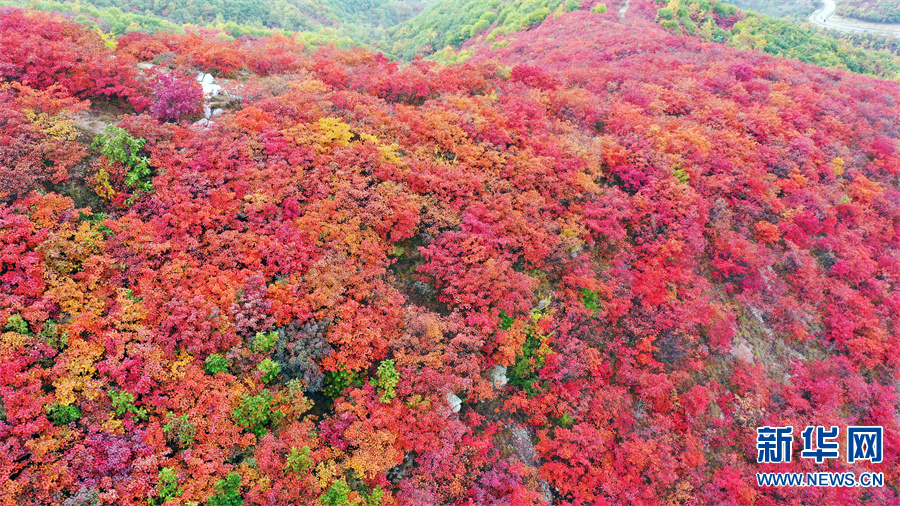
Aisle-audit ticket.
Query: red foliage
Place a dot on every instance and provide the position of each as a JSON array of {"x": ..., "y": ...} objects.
[
  {"x": 176, "y": 97},
  {"x": 37, "y": 144},
  {"x": 41, "y": 50},
  {"x": 666, "y": 244}
]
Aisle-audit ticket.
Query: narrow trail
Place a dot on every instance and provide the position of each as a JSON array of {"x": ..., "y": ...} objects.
[
  {"x": 822, "y": 17},
  {"x": 624, "y": 9}
]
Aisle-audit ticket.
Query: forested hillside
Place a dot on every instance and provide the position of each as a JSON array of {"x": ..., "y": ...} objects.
[
  {"x": 285, "y": 14},
  {"x": 879, "y": 11},
  {"x": 456, "y": 23},
  {"x": 582, "y": 266},
  {"x": 797, "y": 9},
  {"x": 722, "y": 23},
  {"x": 453, "y": 22},
  {"x": 404, "y": 29},
  {"x": 360, "y": 21}
]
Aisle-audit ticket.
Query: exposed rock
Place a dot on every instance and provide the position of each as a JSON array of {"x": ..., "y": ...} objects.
[
  {"x": 90, "y": 124},
  {"x": 204, "y": 123},
  {"x": 454, "y": 402},
  {"x": 498, "y": 376},
  {"x": 210, "y": 89},
  {"x": 523, "y": 445},
  {"x": 398, "y": 473},
  {"x": 215, "y": 99},
  {"x": 205, "y": 79},
  {"x": 742, "y": 352}
]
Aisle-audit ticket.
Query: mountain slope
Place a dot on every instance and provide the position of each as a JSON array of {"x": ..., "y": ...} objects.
[
  {"x": 879, "y": 11},
  {"x": 455, "y": 23},
  {"x": 363, "y": 21},
  {"x": 798, "y": 9},
  {"x": 582, "y": 267},
  {"x": 750, "y": 138},
  {"x": 452, "y": 22}
]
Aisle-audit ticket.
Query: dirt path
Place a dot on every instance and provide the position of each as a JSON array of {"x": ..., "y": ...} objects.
[{"x": 624, "y": 9}]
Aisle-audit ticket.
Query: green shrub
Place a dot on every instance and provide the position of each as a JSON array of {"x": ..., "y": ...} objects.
[
  {"x": 690, "y": 27},
  {"x": 215, "y": 363},
  {"x": 535, "y": 18},
  {"x": 590, "y": 299},
  {"x": 166, "y": 486},
  {"x": 479, "y": 26},
  {"x": 227, "y": 492},
  {"x": 269, "y": 369},
  {"x": 254, "y": 413},
  {"x": 118, "y": 146},
  {"x": 524, "y": 373},
  {"x": 719, "y": 35},
  {"x": 338, "y": 381},
  {"x": 388, "y": 377},
  {"x": 506, "y": 321},
  {"x": 724, "y": 10},
  {"x": 489, "y": 16},
  {"x": 598, "y": 9},
  {"x": 298, "y": 461},
  {"x": 264, "y": 342},
  {"x": 63, "y": 415},
  {"x": 671, "y": 25},
  {"x": 179, "y": 431},
  {"x": 337, "y": 494},
  {"x": 123, "y": 402},
  {"x": 665, "y": 13},
  {"x": 17, "y": 324},
  {"x": 375, "y": 497},
  {"x": 50, "y": 332},
  {"x": 499, "y": 45}
]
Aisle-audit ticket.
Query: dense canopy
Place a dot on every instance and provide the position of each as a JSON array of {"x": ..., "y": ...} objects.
[{"x": 580, "y": 268}]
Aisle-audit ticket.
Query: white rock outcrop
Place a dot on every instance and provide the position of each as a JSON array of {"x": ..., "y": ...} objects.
[
  {"x": 498, "y": 376},
  {"x": 454, "y": 402},
  {"x": 208, "y": 82}
]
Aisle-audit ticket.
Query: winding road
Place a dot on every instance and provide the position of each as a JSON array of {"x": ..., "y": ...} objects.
[{"x": 822, "y": 15}]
